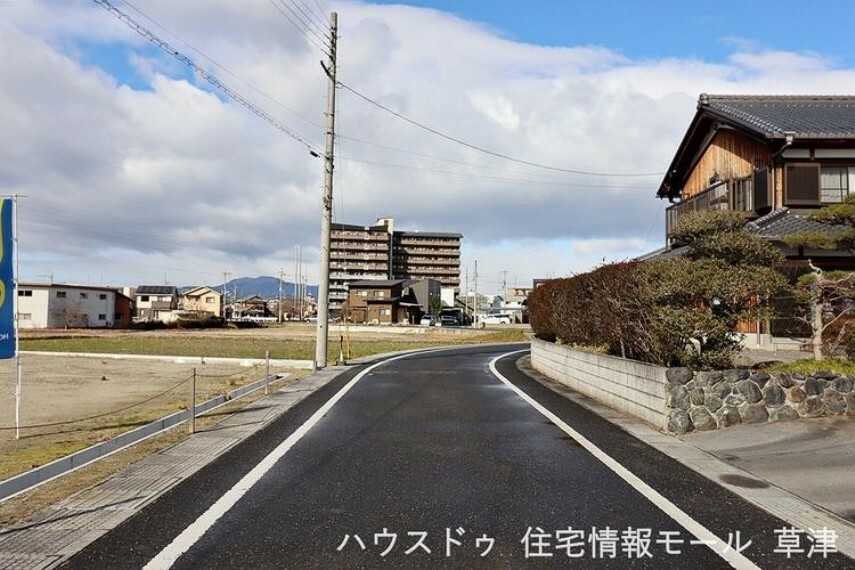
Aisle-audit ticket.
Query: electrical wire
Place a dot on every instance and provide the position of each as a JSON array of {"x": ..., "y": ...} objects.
[
  {"x": 487, "y": 151},
  {"x": 310, "y": 18},
  {"x": 209, "y": 77},
  {"x": 466, "y": 176},
  {"x": 304, "y": 29},
  {"x": 221, "y": 67}
]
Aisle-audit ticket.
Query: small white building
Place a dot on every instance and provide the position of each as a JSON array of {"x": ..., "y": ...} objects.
[{"x": 42, "y": 305}]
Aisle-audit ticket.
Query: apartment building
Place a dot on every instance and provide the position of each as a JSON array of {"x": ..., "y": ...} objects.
[
  {"x": 56, "y": 305},
  {"x": 358, "y": 253},
  {"x": 379, "y": 252},
  {"x": 427, "y": 255}
]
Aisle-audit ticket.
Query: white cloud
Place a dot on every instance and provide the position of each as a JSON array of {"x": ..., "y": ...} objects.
[{"x": 134, "y": 169}]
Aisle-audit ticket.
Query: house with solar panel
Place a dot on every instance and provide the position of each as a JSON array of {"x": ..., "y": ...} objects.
[{"x": 155, "y": 303}]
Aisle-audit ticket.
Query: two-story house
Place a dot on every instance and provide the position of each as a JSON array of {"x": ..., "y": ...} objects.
[
  {"x": 155, "y": 302},
  {"x": 773, "y": 158},
  {"x": 203, "y": 299},
  {"x": 377, "y": 301}
]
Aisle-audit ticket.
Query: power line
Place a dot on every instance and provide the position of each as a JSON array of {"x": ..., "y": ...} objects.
[
  {"x": 466, "y": 176},
  {"x": 209, "y": 77},
  {"x": 304, "y": 29},
  {"x": 222, "y": 67},
  {"x": 310, "y": 18},
  {"x": 487, "y": 151}
]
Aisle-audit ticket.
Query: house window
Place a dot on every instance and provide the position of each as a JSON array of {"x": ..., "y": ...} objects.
[
  {"x": 25, "y": 292},
  {"x": 741, "y": 195},
  {"x": 60, "y": 294},
  {"x": 102, "y": 316},
  {"x": 362, "y": 293},
  {"x": 801, "y": 185},
  {"x": 835, "y": 182},
  {"x": 102, "y": 296},
  {"x": 379, "y": 294},
  {"x": 144, "y": 299},
  {"x": 84, "y": 295},
  {"x": 209, "y": 300},
  {"x": 25, "y": 316},
  {"x": 385, "y": 312}
]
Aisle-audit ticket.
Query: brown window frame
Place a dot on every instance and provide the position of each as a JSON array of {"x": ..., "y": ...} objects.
[{"x": 788, "y": 201}]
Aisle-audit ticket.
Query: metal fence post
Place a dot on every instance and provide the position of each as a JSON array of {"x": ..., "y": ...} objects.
[
  {"x": 267, "y": 376},
  {"x": 191, "y": 409}
]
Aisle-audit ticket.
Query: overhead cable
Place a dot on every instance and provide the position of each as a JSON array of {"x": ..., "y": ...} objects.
[
  {"x": 487, "y": 151},
  {"x": 209, "y": 77}
]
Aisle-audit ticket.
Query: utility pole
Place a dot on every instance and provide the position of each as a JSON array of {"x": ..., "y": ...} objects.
[
  {"x": 279, "y": 301},
  {"x": 226, "y": 274},
  {"x": 466, "y": 294},
  {"x": 326, "y": 219},
  {"x": 475, "y": 280},
  {"x": 504, "y": 273}
]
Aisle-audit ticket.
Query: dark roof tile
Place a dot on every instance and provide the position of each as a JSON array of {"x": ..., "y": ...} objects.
[{"x": 774, "y": 116}]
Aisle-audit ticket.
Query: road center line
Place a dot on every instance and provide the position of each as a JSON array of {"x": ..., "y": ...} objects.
[
  {"x": 191, "y": 535},
  {"x": 735, "y": 559}
]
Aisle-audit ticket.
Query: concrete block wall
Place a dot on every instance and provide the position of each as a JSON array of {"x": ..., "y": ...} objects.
[{"x": 632, "y": 387}]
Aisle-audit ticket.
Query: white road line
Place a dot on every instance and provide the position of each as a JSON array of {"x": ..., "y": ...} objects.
[
  {"x": 191, "y": 535},
  {"x": 735, "y": 559}
]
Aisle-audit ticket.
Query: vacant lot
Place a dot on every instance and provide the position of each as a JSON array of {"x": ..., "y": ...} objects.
[{"x": 70, "y": 402}]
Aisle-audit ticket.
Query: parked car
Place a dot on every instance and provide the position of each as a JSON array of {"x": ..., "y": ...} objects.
[
  {"x": 449, "y": 321},
  {"x": 496, "y": 320},
  {"x": 428, "y": 321}
]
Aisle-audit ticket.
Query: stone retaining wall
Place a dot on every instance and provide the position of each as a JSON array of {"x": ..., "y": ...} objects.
[
  {"x": 679, "y": 400},
  {"x": 710, "y": 400}
]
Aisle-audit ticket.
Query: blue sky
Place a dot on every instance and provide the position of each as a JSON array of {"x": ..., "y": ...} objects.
[
  {"x": 165, "y": 179},
  {"x": 666, "y": 28}
]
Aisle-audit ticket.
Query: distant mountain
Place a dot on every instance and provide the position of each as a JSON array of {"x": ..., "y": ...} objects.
[{"x": 264, "y": 287}]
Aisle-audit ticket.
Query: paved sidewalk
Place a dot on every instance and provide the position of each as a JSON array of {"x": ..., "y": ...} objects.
[
  {"x": 798, "y": 471},
  {"x": 67, "y": 527}
]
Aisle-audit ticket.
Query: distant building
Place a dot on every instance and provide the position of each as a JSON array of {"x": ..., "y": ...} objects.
[
  {"x": 42, "y": 305},
  {"x": 427, "y": 255},
  {"x": 377, "y": 301},
  {"x": 379, "y": 252},
  {"x": 155, "y": 302},
  {"x": 203, "y": 299},
  {"x": 358, "y": 253}
]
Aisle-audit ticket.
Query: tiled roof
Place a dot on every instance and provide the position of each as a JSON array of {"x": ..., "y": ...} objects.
[
  {"x": 774, "y": 116},
  {"x": 779, "y": 224}
]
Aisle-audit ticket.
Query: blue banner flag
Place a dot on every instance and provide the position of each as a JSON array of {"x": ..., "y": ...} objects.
[{"x": 7, "y": 281}]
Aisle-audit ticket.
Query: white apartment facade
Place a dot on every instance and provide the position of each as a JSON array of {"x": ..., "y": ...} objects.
[{"x": 43, "y": 305}]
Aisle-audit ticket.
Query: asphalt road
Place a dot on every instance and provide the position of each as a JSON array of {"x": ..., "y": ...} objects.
[{"x": 432, "y": 461}]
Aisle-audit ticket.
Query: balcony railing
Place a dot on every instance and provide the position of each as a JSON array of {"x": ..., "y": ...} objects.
[{"x": 713, "y": 198}]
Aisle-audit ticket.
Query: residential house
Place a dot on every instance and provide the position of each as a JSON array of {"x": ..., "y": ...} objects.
[
  {"x": 155, "y": 302},
  {"x": 204, "y": 301},
  {"x": 773, "y": 158},
  {"x": 251, "y": 307},
  {"x": 54, "y": 305},
  {"x": 378, "y": 302}
]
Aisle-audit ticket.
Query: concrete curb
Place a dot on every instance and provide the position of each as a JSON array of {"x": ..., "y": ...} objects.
[
  {"x": 777, "y": 501},
  {"x": 31, "y": 479}
]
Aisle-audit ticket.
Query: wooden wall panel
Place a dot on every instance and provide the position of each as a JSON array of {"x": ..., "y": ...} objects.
[{"x": 731, "y": 155}]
